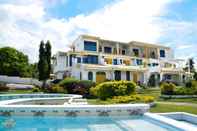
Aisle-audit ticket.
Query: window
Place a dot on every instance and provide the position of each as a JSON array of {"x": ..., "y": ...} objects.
[
  {"x": 136, "y": 52},
  {"x": 121, "y": 61},
  {"x": 70, "y": 61},
  {"x": 117, "y": 75},
  {"x": 100, "y": 48},
  {"x": 90, "y": 46},
  {"x": 78, "y": 60},
  {"x": 123, "y": 52},
  {"x": 107, "y": 49},
  {"x": 115, "y": 62},
  {"x": 128, "y": 76},
  {"x": 80, "y": 75},
  {"x": 90, "y": 59},
  {"x": 90, "y": 76},
  {"x": 155, "y": 64},
  {"x": 138, "y": 61},
  {"x": 153, "y": 55},
  {"x": 162, "y": 53}
]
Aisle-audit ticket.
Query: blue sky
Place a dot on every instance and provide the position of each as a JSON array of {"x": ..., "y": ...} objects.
[
  {"x": 71, "y": 8},
  {"x": 172, "y": 23}
]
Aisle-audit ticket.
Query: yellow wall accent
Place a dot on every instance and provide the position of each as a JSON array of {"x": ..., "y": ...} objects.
[
  {"x": 126, "y": 62},
  {"x": 108, "y": 60},
  {"x": 135, "y": 77},
  {"x": 100, "y": 77}
]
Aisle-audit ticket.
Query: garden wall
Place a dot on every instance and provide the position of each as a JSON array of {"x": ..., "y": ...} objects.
[{"x": 19, "y": 80}]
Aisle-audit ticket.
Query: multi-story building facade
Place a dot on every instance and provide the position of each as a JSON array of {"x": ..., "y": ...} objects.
[{"x": 96, "y": 59}]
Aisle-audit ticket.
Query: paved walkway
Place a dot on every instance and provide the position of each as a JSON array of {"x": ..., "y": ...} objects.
[{"x": 178, "y": 103}]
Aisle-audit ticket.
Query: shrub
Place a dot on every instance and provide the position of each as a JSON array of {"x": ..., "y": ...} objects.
[
  {"x": 113, "y": 88},
  {"x": 132, "y": 98},
  {"x": 148, "y": 99},
  {"x": 167, "y": 88},
  {"x": 183, "y": 91},
  {"x": 35, "y": 89},
  {"x": 123, "y": 99},
  {"x": 74, "y": 86},
  {"x": 3, "y": 87},
  {"x": 58, "y": 89},
  {"x": 188, "y": 84}
]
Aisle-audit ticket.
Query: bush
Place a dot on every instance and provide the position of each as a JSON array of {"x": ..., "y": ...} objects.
[
  {"x": 74, "y": 86},
  {"x": 123, "y": 99},
  {"x": 148, "y": 99},
  {"x": 132, "y": 98},
  {"x": 188, "y": 84},
  {"x": 3, "y": 87},
  {"x": 183, "y": 91},
  {"x": 113, "y": 88},
  {"x": 167, "y": 88},
  {"x": 58, "y": 89},
  {"x": 35, "y": 89}
]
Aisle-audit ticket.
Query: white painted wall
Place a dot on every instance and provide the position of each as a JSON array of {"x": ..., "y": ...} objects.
[
  {"x": 19, "y": 80},
  {"x": 61, "y": 63}
]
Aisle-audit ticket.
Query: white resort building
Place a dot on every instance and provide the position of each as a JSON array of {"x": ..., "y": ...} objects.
[{"x": 96, "y": 59}]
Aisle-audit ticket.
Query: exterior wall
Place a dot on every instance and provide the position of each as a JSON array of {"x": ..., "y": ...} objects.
[
  {"x": 144, "y": 57},
  {"x": 60, "y": 63},
  {"x": 19, "y": 80},
  {"x": 59, "y": 75}
]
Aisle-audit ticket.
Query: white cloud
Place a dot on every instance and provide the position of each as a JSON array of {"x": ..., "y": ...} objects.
[{"x": 23, "y": 25}]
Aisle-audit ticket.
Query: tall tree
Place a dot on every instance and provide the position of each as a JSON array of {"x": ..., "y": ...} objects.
[
  {"x": 44, "y": 63},
  {"x": 14, "y": 63},
  {"x": 41, "y": 62},
  {"x": 190, "y": 65},
  {"x": 48, "y": 57}
]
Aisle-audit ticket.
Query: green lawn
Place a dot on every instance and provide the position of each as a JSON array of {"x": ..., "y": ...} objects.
[
  {"x": 29, "y": 91},
  {"x": 161, "y": 108}
]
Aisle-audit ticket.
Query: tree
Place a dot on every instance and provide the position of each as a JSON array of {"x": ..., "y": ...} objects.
[
  {"x": 14, "y": 63},
  {"x": 195, "y": 76},
  {"x": 34, "y": 70},
  {"x": 48, "y": 57},
  {"x": 44, "y": 63},
  {"x": 41, "y": 62},
  {"x": 190, "y": 65}
]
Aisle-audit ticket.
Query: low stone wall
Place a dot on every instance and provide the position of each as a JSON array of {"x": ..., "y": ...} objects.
[
  {"x": 178, "y": 96},
  {"x": 19, "y": 80},
  {"x": 73, "y": 110},
  {"x": 181, "y": 116},
  {"x": 19, "y": 96},
  {"x": 171, "y": 122}
]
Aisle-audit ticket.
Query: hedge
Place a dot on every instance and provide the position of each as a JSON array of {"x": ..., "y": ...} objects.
[
  {"x": 113, "y": 88},
  {"x": 167, "y": 88},
  {"x": 74, "y": 86},
  {"x": 170, "y": 89}
]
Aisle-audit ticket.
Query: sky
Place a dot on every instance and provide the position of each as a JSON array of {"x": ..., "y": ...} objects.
[{"x": 173, "y": 23}]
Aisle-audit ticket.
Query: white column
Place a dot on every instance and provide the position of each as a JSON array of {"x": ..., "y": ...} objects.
[{"x": 94, "y": 76}]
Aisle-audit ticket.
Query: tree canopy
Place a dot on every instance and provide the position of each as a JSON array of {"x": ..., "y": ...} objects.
[
  {"x": 44, "y": 63},
  {"x": 190, "y": 65},
  {"x": 14, "y": 63}
]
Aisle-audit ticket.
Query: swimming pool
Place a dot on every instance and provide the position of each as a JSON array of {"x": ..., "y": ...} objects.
[{"x": 88, "y": 123}]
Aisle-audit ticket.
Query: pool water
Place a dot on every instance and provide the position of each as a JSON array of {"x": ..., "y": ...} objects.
[{"x": 89, "y": 123}]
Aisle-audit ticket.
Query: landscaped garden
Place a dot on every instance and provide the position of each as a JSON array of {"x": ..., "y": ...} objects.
[{"x": 118, "y": 92}]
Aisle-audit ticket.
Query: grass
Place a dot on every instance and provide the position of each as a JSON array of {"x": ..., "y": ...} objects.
[
  {"x": 162, "y": 108},
  {"x": 98, "y": 102},
  {"x": 155, "y": 92},
  {"x": 29, "y": 91}
]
